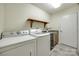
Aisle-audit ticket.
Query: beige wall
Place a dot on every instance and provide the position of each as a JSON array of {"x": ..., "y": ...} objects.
[
  {"x": 56, "y": 18},
  {"x": 17, "y": 14},
  {"x": 1, "y": 17}
]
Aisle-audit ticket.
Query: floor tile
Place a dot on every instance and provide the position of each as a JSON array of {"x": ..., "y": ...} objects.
[{"x": 63, "y": 50}]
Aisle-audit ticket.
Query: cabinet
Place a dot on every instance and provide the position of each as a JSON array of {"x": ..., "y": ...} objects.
[
  {"x": 31, "y": 49},
  {"x": 25, "y": 50},
  {"x": 37, "y": 47},
  {"x": 78, "y": 33},
  {"x": 16, "y": 52},
  {"x": 55, "y": 38},
  {"x": 43, "y": 45}
]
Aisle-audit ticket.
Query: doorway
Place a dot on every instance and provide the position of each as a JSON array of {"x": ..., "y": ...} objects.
[{"x": 68, "y": 29}]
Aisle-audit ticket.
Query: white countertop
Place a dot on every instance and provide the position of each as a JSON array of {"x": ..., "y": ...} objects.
[{"x": 13, "y": 40}]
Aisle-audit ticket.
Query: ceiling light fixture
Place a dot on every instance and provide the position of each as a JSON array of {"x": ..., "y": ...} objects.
[{"x": 56, "y": 5}]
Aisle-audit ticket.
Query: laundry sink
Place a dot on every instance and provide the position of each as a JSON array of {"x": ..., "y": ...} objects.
[{"x": 40, "y": 34}]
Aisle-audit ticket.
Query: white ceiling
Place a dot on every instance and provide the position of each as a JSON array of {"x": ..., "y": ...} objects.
[{"x": 50, "y": 9}]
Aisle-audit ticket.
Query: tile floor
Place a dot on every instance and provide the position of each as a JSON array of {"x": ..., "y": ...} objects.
[{"x": 63, "y": 50}]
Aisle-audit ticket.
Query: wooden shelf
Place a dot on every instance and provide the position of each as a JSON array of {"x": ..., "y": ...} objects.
[{"x": 34, "y": 20}]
